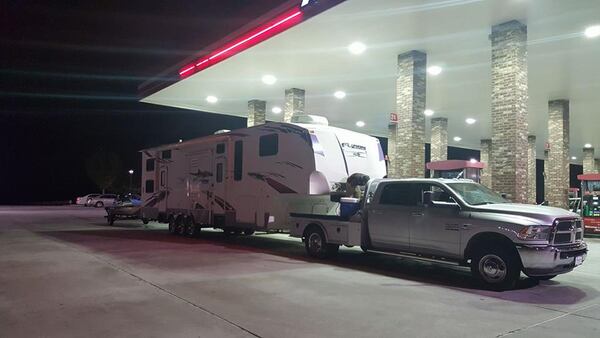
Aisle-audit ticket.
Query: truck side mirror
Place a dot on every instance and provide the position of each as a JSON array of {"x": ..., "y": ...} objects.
[{"x": 427, "y": 197}]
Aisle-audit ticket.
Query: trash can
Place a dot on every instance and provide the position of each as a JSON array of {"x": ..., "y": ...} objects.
[{"x": 349, "y": 206}]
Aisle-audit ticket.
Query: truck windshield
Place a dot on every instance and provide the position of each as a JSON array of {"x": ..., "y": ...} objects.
[{"x": 476, "y": 194}]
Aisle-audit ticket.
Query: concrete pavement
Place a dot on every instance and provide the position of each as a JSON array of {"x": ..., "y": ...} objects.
[{"x": 65, "y": 273}]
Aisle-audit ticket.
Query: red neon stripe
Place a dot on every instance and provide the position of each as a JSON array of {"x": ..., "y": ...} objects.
[{"x": 244, "y": 43}]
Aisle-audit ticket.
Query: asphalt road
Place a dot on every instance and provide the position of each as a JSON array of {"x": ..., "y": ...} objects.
[{"x": 65, "y": 273}]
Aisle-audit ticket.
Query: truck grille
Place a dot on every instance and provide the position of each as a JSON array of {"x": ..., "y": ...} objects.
[{"x": 567, "y": 231}]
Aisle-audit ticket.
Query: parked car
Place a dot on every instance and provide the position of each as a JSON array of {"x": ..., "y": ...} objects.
[
  {"x": 83, "y": 199},
  {"x": 102, "y": 200}
]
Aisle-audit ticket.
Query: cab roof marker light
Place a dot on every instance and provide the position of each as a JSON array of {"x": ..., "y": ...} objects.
[{"x": 245, "y": 43}]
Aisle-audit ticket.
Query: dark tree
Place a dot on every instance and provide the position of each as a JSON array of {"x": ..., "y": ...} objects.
[{"x": 103, "y": 168}]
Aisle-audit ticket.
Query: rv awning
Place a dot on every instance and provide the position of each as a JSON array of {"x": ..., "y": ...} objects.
[{"x": 313, "y": 54}]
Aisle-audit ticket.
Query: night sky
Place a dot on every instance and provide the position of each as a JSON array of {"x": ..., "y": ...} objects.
[{"x": 68, "y": 86}]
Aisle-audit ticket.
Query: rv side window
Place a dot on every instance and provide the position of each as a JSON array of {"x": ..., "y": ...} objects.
[
  {"x": 220, "y": 148},
  {"x": 238, "y": 160},
  {"x": 398, "y": 194},
  {"x": 162, "y": 178},
  {"x": 219, "y": 172},
  {"x": 166, "y": 154},
  {"x": 150, "y": 164},
  {"x": 149, "y": 186},
  {"x": 269, "y": 145}
]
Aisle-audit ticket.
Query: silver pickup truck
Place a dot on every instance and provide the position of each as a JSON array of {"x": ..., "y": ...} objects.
[{"x": 455, "y": 222}]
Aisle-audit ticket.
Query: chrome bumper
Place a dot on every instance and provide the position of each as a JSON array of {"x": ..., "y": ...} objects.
[{"x": 550, "y": 260}]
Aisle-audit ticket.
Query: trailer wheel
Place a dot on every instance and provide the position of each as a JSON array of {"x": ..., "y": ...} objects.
[
  {"x": 316, "y": 244},
  {"x": 190, "y": 227},
  {"x": 172, "y": 227},
  {"x": 145, "y": 221},
  {"x": 249, "y": 232},
  {"x": 180, "y": 226}
]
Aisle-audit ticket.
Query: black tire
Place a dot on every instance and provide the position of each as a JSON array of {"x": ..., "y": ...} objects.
[
  {"x": 190, "y": 227},
  {"x": 99, "y": 204},
  {"x": 539, "y": 278},
  {"x": 248, "y": 232},
  {"x": 110, "y": 220},
  {"x": 145, "y": 221},
  {"x": 172, "y": 226},
  {"x": 497, "y": 268},
  {"x": 180, "y": 226},
  {"x": 316, "y": 245}
]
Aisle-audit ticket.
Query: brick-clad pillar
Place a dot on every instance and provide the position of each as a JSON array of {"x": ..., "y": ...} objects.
[
  {"x": 439, "y": 139},
  {"x": 294, "y": 103},
  {"x": 485, "y": 156},
  {"x": 531, "y": 170},
  {"x": 509, "y": 110},
  {"x": 391, "y": 149},
  {"x": 557, "y": 167},
  {"x": 589, "y": 164},
  {"x": 257, "y": 110},
  {"x": 410, "y": 104},
  {"x": 597, "y": 161}
]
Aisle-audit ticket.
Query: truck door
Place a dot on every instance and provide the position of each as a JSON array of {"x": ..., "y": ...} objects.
[
  {"x": 435, "y": 228},
  {"x": 389, "y": 216}
]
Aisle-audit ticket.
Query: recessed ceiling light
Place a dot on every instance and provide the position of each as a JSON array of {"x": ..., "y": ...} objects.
[
  {"x": 360, "y": 124},
  {"x": 434, "y": 70},
  {"x": 428, "y": 112},
  {"x": 473, "y": 160},
  {"x": 592, "y": 31},
  {"x": 587, "y": 145},
  {"x": 470, "y": 120},
  {"x": 180, "y": 140},
  {"x": 573, "y": 157},
  {"x": 276, "y": 110},
  {"x": 457, "y": 138},
  {"x": 211, "y": 99},
  {"x": 357, "y": 48},
  {"x": 269, "y": 79},
  {"x": 339, "y": 94}
]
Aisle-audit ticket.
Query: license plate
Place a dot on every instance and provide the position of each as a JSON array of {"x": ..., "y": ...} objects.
[{"x": 578, "y": 260}]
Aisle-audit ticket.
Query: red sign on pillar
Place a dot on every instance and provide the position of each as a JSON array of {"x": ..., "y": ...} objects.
[{"x": 393, "y": 118}]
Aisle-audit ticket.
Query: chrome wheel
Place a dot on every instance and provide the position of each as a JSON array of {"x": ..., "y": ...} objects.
[
  {"x": 315, "y": 243},
  {"x": 492, "y": 269}
]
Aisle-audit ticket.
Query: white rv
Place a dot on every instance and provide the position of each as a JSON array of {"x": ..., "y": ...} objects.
[{"x": 253, "y": 178}]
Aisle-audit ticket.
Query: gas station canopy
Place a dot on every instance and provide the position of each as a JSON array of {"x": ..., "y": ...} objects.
[{"x": 319, "y": 47}]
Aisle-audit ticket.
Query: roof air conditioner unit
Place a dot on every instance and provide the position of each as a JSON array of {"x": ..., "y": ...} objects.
[
  {"x": 310, "y": 119},
  {"x": 221, "y": 131}
]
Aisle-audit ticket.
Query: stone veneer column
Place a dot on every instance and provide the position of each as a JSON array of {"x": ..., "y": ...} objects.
[
  {"x": 557, "y": 167},
  {"x": 509, "y": 110},
  {"x": 531, "y": 171},
  {"x": 439, "y": 139},
  {"x": 257, "y": 110},
  {"x": 391, "y": 149},
  {"x": 410, "y": 104},
  {"x": 485, "y": 156},
  {"x": 294, "y": 103},
  {"x": 589, "y": 164},
  {"x": 597, "y": 161}
]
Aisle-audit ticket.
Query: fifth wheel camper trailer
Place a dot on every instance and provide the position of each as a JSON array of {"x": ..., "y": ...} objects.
[{"x": 253, "y": 178}]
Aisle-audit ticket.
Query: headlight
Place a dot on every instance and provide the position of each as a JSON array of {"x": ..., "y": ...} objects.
[{"x": 534, "y": 232}]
